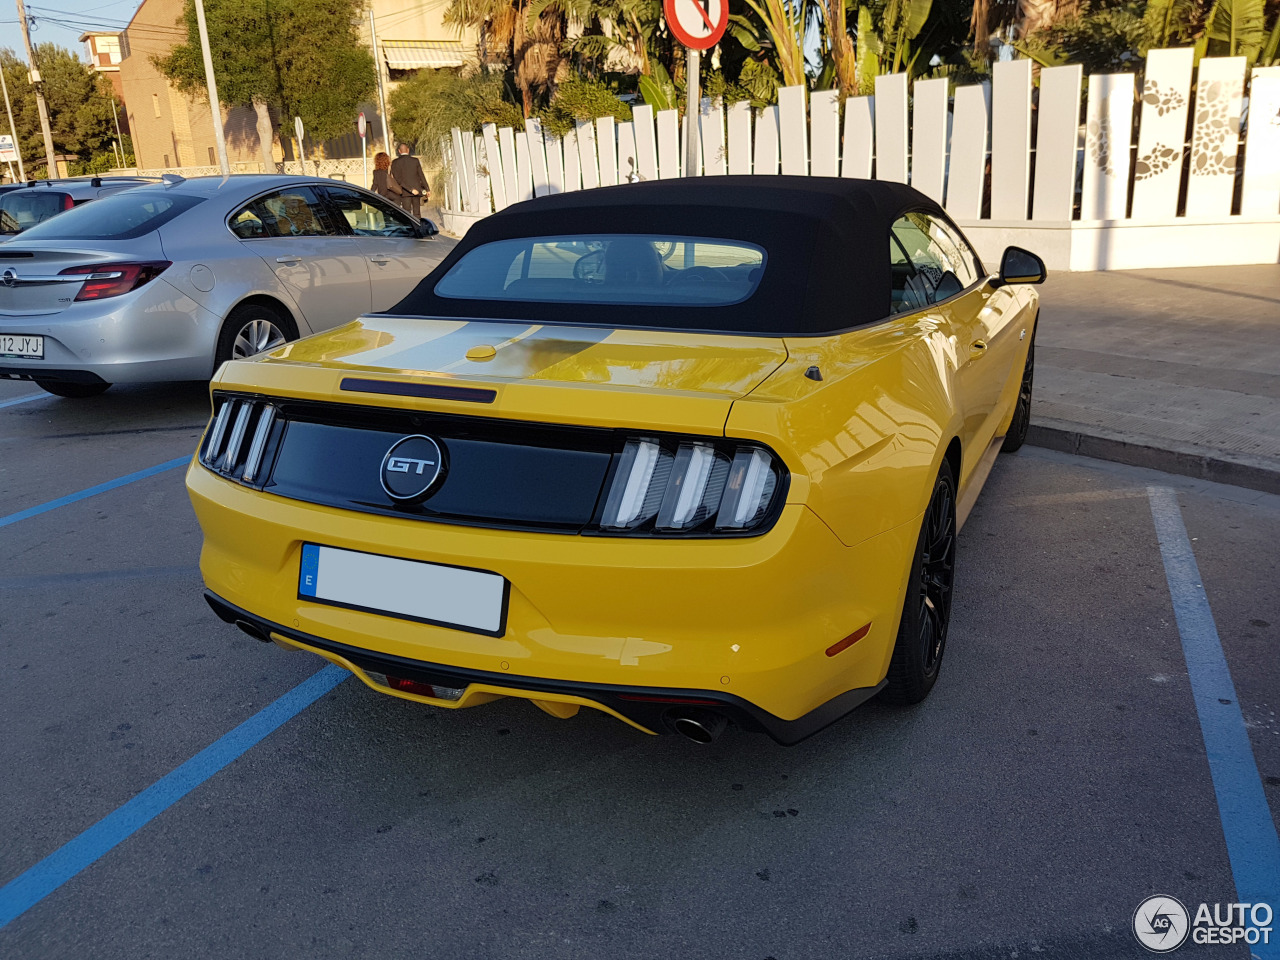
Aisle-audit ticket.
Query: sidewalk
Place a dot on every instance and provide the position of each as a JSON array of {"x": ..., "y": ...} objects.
[{"x": 1178, "y": 370}]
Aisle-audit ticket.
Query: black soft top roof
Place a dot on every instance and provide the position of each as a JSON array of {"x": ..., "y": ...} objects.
[{"x": 826, "y": 242}]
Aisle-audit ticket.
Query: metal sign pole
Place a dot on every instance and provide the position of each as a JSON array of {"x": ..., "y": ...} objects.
[
  {"x": 693, "y": 100},
  {"x": 215, "y": 105}
]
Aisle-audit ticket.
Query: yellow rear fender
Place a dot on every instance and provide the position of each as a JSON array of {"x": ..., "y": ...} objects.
[{"x": 865, "y": 442}]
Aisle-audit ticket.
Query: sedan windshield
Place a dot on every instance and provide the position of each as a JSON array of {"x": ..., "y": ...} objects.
[
  {"x": 640, "y": 269},
  {"x": 122, "y": 216}
]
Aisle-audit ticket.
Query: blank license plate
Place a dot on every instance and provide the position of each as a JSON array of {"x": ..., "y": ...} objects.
[
  {"x": 464, "y": 599},
  {"x": 19, "y": 345}
]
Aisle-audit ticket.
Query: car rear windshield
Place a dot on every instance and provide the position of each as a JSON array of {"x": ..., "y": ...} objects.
[
  {"x": 22, "y": 210},
  {"x": 638, "y": 269},
  {"x": 122, "y": 216}
]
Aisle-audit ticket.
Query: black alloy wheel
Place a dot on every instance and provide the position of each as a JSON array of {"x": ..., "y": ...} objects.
[
  {"x": 71, "y": 390},
  {"x": 926, "y": 614},
  {"x": 1022, "y": 412}
]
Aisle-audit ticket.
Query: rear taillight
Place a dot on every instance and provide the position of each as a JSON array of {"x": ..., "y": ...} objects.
[
  {"x": 102, "y": 280},
  {"x": 668, "y": 487}
]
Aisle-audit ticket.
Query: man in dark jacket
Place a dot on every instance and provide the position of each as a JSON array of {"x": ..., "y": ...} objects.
[{"x": 408, "y": 173}]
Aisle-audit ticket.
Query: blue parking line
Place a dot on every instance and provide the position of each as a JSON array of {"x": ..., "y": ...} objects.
[
  {"x": 1252, "y": 844},
  {"x": 94, "y": 491},
  {"x": 29, "y": 888},
  {"x": 27, "y": 399}
]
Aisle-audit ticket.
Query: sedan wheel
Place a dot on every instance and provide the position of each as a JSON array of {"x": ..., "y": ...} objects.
[
  {"x": 926, "y": 614},
  {"x": 256, "y": 336}
]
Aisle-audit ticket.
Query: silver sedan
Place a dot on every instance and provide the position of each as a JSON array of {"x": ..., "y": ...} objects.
[{"x": 166, "y": 282}]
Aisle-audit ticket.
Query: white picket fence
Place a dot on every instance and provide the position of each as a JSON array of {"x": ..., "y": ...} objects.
[{"x": 1008, "y": 165}]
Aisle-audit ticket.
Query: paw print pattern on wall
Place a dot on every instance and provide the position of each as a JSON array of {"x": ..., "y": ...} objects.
[
  {"x": 1214, "y": 149},
  {"x": 1099, "y": 137},
  {"x": 1163, "y": 100}
]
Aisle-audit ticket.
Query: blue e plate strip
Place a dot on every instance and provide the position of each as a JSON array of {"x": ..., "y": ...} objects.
[
  {"x": 27, "y": 889},
  {"x": 309, "y": 570},
  {"x": 27, "y": 399},
  {"x": 94, "y": 491},
  {"x": 1247, "y": 826}
]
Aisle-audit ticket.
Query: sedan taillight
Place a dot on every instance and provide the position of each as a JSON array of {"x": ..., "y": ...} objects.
[{"x": 104, "y": 280}]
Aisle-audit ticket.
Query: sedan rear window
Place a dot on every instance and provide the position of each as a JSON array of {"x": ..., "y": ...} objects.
[
  {"x": 122, "y": 216},
  {"x": 24, "y": 209},
  {"x": 640, "y": 269}
]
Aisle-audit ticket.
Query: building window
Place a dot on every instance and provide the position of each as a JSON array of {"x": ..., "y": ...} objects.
[
  {"x": 155, "y": 103},
  {"x": 166, "y": 161},
  {"x": 212, "y": 161}
]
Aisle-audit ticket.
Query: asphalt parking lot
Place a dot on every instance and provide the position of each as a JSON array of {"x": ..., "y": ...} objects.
[{"x": 1057, "y": 776}]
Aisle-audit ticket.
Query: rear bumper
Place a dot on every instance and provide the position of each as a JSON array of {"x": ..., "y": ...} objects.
[
  {"x": 749, "y": 619},
  {"x": 648, "y": 708}
]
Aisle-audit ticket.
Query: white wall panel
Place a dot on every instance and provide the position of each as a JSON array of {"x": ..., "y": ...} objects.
[
  {"x": 668, "y": 144},
  {"x": 968, "y": 165},
  {"x": 1104, "y": 190},
  {"x": 824, "y": 133},
  {"x": 607, "y": 150},
  {"x": 628, "y": 167},
  {"x": 572, "y": 162},
  {"x": 587, "y": 165},
  {"x": 524, "y": 166},
  {"x": 766, "y": 154},
  {"x": 1057, "y": 136},
  {"x": 510, "y": 164},
  {"x": 1214, "y": 144},
  {"x": 1261, "y": 196},
  {"x": 1010, "y": 139},
  {"x": 1162, "y": 131},
  {"x": 646, "y": 143},
  {"x": 484, "y": 181},
  {"x": 740, "y": 137},
  {"x": 859, "y": 138},
  {"x": 711, "y": 120},
  {"x": 493, "y": 166},
  {"x": 538, "y": 157},
  {"x": 793, "y": 131},
  {"x": 929, "y": 137},
  {"x": 555, "y": 163},
  {"x": 891, "y": 127}
]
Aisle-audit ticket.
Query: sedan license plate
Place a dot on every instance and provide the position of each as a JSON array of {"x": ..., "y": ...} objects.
[
  {"x": 457, "y": 597},
  {"x": 20, "y": 345}
]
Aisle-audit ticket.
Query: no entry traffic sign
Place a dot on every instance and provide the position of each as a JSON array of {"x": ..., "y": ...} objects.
[{"x": 698, "y": 24}]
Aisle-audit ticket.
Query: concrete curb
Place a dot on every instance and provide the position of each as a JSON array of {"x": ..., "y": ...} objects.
[{"x": 1200, "y": 463}]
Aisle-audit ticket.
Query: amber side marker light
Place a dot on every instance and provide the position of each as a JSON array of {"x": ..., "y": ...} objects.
[{"x": 848, "y": 641}]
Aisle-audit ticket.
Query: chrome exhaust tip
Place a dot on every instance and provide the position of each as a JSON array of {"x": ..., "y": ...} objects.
[
  {"x": 700, "y": 726},
  {"x": 253, "y": 630}
]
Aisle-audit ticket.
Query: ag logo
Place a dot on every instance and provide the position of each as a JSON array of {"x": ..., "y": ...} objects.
[
  {"x": 1161, "y": 924},
  {"x": 411, "y": 468}
]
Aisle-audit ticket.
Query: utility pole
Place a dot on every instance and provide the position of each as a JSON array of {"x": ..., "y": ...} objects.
[
  {"x": 215, "y": 106},
  {"x": 115, "y": 115},
  {"x": 22, "y": 174},
  {"x": 389, "y": 146},
  {"x": 36, "y": 82},
  {"x": 692, "y": 113}
]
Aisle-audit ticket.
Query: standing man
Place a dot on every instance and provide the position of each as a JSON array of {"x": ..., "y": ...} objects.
[{"x": 408, "y": 173}]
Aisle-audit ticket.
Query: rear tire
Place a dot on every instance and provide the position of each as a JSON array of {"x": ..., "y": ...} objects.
[
  {"x": 250, "y": 329},
  {"x": 74, "y": 391},
  {"x": 926, "y": 613},
  {"x": 1017, "y": 434}
]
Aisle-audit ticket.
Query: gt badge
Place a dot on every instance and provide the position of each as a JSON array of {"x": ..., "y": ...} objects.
[{"x": 411, "y": 468}]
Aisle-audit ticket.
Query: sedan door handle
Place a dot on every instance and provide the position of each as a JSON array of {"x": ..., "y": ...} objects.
[
  {"x": 379, "y": 259},
  {"x": 288, "y": 259},
  {"x": 977, "y": 348}
]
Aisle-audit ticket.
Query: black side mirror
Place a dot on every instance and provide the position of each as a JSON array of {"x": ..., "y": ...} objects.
[
  {"x": 1021, "y": 266},
  {"x": 426, "y": 228}
]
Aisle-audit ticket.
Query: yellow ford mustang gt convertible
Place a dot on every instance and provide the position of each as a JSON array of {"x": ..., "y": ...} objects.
[{"x": 691, "y": 453}]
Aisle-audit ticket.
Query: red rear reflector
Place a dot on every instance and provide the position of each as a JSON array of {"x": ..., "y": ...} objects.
[
  {"x": 848, "y": 641},
  {"x": 411, "y": 686},
  {"x": 642, "y": 698},
  {"x": 67, "y": 202},
  {"x": 104, "y": 280}
]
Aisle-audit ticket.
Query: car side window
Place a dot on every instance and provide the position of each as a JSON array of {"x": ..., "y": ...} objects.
[
  {"x": 964, "y": 261},
  {"x": 370, "y": 217},
  {"x": 296, "y": 212},
  {"x": 925, "y": 262}
]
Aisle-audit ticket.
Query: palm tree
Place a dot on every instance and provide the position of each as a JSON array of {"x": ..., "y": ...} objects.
[{"x": 532, "y": 45}]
